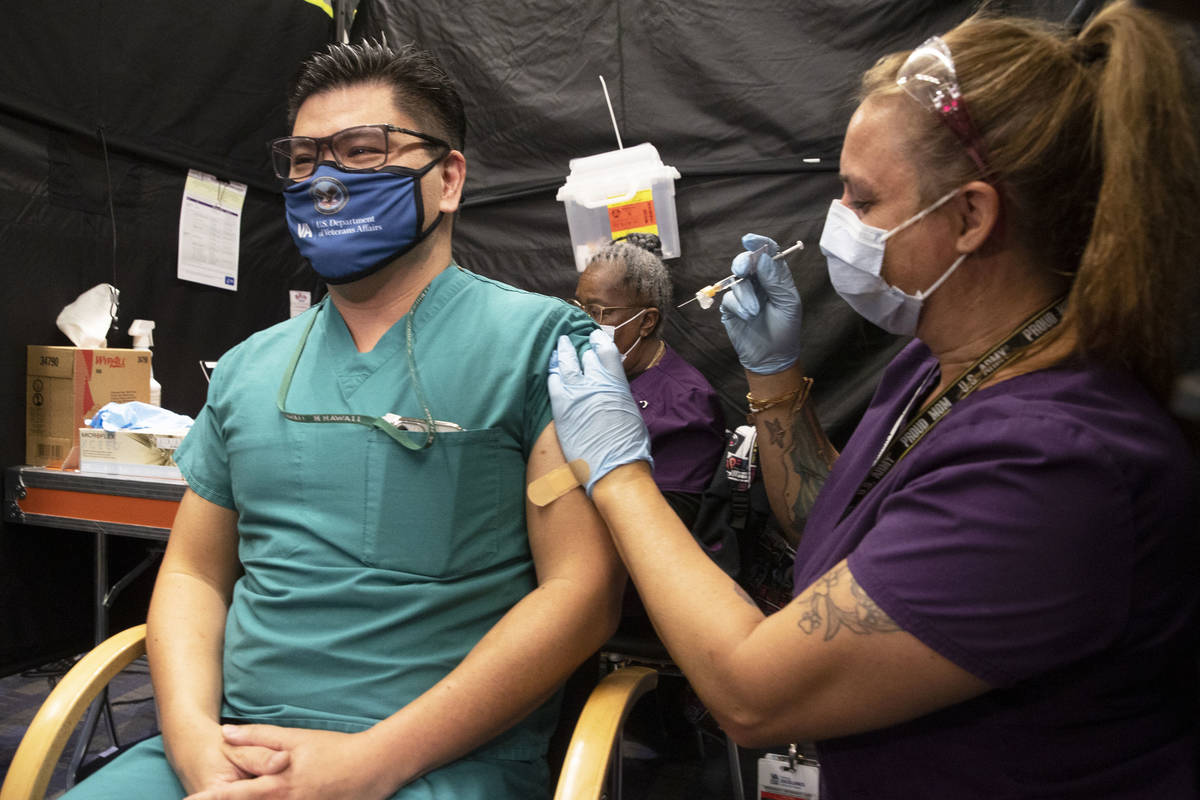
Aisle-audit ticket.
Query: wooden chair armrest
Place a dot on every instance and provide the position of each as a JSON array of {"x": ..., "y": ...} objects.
[
  {"x": 600, "y": 722},
  {"x": 33, "y": 765}
]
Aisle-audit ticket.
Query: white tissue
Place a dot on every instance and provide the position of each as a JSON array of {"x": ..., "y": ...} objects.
[{"x": 86, "y": 320}]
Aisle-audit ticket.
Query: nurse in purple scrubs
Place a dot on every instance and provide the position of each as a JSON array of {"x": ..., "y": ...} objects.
[{"x": 997, "y": 579}]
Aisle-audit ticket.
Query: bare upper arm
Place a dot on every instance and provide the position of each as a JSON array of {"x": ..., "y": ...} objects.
[
  {"x": 832, "y": 663},
  {"x": 203, "y": 543},
  {"x": 568, "y": 537}
]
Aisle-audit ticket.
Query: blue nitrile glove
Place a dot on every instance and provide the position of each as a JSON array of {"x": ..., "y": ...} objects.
[
  {"x": 762, "y": 313},
  {"x": 136, "y": 415},
  {"x": 596, "y": 417}
]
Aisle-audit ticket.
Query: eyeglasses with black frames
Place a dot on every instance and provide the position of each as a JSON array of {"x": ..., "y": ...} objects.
[{"x": 359, "y": 149}]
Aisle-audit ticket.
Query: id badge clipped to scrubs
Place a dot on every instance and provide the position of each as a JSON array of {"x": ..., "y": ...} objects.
[{"x": 790, "y": 777}]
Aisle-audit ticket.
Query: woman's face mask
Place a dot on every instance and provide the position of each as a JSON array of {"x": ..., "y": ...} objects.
[
  {"x": 352, "y": 224},
  {"x": 854, "y": 254},
  {"x": 611, "y": 330}
]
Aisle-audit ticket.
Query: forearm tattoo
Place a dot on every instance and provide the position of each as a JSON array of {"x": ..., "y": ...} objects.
[
  {"x": 774, "y": 432},
  {"x": 819, "y": 610},
  {"x": 806, "y": 463}
]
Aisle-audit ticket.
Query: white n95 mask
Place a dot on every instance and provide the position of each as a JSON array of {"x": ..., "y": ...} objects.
[
  {"x": 611, "y": 331},
  {"x": 854, "y": 254}
]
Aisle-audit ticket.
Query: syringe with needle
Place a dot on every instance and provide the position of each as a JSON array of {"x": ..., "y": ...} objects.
[{"x": 705, "y": 296}]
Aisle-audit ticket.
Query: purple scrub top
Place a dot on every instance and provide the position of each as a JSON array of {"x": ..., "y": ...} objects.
[
  {"x": 1041, "y": 537},
  {"x": 686, "y": 424}
]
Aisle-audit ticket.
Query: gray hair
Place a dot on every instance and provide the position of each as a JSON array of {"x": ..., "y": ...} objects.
[{"x": 645, "y": 274}]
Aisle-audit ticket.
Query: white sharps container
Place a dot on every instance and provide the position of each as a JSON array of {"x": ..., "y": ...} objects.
[{"x": 620, "y": 192}]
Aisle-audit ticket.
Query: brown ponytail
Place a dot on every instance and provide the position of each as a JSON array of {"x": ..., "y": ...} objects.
[{"x": 1134, "y": 271}]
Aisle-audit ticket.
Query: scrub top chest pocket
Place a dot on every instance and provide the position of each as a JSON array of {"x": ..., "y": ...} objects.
[{"x": 434, "y": 512}]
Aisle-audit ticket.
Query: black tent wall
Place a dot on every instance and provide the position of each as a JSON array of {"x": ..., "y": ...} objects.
[
  {"x": 740, "y": 98},
  {"x": 104, "y": 106}
]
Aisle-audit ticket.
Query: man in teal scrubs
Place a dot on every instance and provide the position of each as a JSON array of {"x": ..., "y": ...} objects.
[{"x": 356, "y": 600}]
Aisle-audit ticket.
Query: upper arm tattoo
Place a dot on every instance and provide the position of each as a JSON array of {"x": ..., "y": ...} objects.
[{"x": 819, "y": 609}]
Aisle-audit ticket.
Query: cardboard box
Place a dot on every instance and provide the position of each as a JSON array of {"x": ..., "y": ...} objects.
[
  {"x": 146, "y": 454},
  {"x": 66, "y": 385}
]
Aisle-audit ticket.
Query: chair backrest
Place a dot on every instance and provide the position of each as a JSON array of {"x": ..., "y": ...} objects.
[
  {"x": 598, "y": 729},
  {"x": 33, "y": 764}
]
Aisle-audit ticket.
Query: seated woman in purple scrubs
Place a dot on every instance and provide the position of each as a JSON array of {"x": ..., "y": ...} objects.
[
  {"x": 627, "y": 290},
  {"x": 997, "y": 583}
]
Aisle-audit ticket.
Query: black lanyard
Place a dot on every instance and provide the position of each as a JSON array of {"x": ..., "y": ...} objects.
[
  {"x": 391, "y": 424},
  {"x": 896, "y": 447}
]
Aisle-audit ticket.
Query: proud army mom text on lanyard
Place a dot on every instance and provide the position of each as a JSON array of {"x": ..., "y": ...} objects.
[{"x": 896, "y": 448}]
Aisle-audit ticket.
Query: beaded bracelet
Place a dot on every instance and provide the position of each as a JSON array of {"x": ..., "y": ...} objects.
[{"x": 801, "y": 396}]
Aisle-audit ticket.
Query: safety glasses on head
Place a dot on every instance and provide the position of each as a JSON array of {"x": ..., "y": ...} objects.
[
  {"x": 928, "y": 76},
  {"x": 358, "y": 149}
]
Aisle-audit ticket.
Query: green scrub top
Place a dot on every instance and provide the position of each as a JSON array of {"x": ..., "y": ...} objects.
[{"x": 370, "y": 570}]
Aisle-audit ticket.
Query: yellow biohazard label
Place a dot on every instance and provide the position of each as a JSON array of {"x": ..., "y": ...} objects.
[
  {"x": 635, "y": 215},
  {"x": 324, "y": 5}
]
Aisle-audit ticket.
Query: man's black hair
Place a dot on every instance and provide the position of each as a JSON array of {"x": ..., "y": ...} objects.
[{"x": 420, "y": 87}]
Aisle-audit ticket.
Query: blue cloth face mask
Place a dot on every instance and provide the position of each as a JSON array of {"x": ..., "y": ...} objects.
[
  {"x": 854, "y": 254},
  {"x": 352, "y": 224}
]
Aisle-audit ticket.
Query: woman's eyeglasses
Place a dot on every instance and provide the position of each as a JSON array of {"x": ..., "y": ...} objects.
[{"x": 596, "y": 312}]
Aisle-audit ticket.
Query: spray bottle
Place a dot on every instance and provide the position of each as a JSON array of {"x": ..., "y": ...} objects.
[{"x": 142, "y": 331}]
